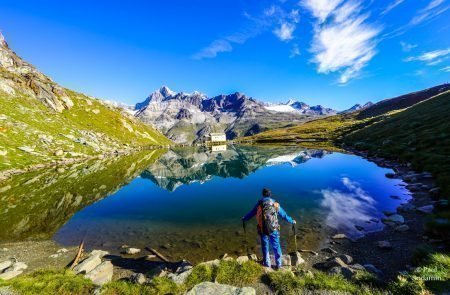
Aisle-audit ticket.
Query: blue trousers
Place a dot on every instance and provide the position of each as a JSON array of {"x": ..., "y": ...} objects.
[{"x": 274, "y": 240}]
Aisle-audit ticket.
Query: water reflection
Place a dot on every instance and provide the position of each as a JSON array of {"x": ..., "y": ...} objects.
[{"x": 349, "y": 208}]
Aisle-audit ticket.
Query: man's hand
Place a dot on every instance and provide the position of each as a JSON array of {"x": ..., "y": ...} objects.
[{"x": 294, "y": 222}]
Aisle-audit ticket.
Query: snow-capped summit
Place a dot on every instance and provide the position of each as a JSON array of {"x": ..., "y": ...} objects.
[
  {"x": 358, "y": 107},
  {"x": 294, "y": 106}
]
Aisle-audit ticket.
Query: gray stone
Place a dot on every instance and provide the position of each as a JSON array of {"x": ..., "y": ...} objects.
[
  {"x": 157, "y": 272},
  {"x": 242, "y": 259},
  {"x": 88, "y": 264},
  {"x": 334, "y": 261},
  {"x": 253, "y": 257},
  {"x": 408, "y": 207},
  {"x": 179, "y": 277},
  {"x": 17, "y": 266},
  {"x": 357, "y": 266},
  {"x": 207, "y": 288},
  {"x": 428, "y": 209},
  {"x": 132, "y": 251},
  {"x": 101, "y": 274},
  {"x": 347, "y": 259},
  {"x": 384, "y": 245},
  {"x": 99, "y": 253},
  {"x": 402, "y": 228},
  {"x": 296, "y": 259},
  {"x": 214, "y": 262},
  {"x": 339, "y": 236},
  {"x": 5, "y": 264},
  {"x": 10, "y": 274},
  {"x": 138, "y": 278}
]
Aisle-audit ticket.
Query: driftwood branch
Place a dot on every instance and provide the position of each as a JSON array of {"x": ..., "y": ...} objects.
[
  {"x": 78, "y": 256},
  {"x": 159, "y": 255}
]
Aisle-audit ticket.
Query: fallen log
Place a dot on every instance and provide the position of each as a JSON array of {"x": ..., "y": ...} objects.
[
  {"x": 78, "y": 256},
  {"x": 159, "y": 255}
]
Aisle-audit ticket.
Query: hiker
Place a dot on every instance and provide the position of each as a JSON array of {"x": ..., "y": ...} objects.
[{"x": 267, "y": 212}]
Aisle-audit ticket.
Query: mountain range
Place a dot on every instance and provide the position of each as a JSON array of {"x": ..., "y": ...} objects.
[{"x": 188, "y": 118}]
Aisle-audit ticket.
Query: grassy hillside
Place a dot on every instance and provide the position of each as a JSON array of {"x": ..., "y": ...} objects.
[
  {"x": 419, "y": 134},
  {"x": 31, "y": 133}
]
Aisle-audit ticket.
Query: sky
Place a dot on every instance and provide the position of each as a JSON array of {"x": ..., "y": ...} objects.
[{"x": 330, "y": 52}]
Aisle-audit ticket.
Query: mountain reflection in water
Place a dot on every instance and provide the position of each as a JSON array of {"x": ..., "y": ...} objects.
[{"x": 188, "y": 201}]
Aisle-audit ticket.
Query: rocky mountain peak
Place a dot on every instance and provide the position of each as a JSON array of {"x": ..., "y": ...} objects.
[
  {"x": 17, "y": 75},
  {"x": 165, "y": 91}
]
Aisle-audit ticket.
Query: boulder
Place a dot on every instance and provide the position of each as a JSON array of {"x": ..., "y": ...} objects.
[
  {"x": 5, "y": 264},
  {"x": 138, "y": 278},
  {"x": 242, "y": 259},
  {"x": 408, "y": 207},
  {"x": 101, "y": 274},
  {"x": 88, "y": 264},
  {"x": 428, "y": 209},
  {"x": 347, "y": 259},
  {"x": 99, "y": 253},
  {"x": 10, "y": 274},
  {"x": 286, "y": 260},
  {"x": 207, "y": 288},
  {"x": 334, "y": 261},
  {"x": 296, "y": 259},
  {"x": 402, "y": 228},
  {"x": 214, "y": 262},
  {"x": 357, "y": 266},
  {"x": 384, "y": 245},
  {"x": 17, "y": 266}
]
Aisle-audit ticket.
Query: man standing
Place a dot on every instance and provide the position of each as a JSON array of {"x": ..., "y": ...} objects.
[{"x": 267, "y": 212}]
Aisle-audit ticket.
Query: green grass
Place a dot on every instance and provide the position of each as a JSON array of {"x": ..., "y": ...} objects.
[
  {"x": 49, "y": 282},
  {"x": 30, "y": 123},
  {"x": 230, "y": 272}
]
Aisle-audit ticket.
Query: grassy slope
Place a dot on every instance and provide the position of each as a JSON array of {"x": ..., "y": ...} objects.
[
  {"x": 419, "y": 134},
  {"x": 101, "y": 128}
]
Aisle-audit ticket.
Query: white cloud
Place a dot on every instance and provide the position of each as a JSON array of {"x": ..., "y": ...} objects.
[
  {"x": 391, "y": 6},
  {"x": 433, "y": 9},
  {"x": 347, "y": 208},
  {"x": 285, "y": 31},
  {"x": 321, "y": 9},
  {"x": 295, "y": 51},
  {"x": 345, "y": 43},
  {"x": 213, "y": 49},
  {"x": 431, "y": 58},
  {"x": 407, "y": 47},
  {"x": 446, "y": 69}
]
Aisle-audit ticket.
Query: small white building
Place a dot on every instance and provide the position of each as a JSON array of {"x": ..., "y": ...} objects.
[
  {"x": 217, "y": 137},
  {"x": 219, "y": 148}
]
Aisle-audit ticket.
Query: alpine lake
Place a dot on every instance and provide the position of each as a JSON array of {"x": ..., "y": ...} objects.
[{"x": 188, "y": 202}]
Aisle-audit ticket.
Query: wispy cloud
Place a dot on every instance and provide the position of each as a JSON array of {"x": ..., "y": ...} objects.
[
  {"x": 431, "y": 58},
  {"x": 433, "y": 9},
  {"x": 281, "y": 21},
  {"x": 391, "y": 6},
  {"x": 446, "y": 69},
  {"x": 321, "y": 9},
  {"x": 285, "y": 31},
  {"x": 295, "y": 51},
  {"x": 407, "y": 47},
  {"x": 347, "y": 208},
  {"x": 343, "y": 41}
]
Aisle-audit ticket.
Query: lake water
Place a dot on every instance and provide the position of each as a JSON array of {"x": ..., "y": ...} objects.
[{"x": 187, "y": 202}]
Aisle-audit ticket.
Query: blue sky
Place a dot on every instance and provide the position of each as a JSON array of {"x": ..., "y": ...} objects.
[{"x": 331, "y": 52}]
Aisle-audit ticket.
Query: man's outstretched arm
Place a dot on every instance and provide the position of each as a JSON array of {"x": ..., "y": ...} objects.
[
  {"x": 284, "y": 215},
  {"x": 251, "y": 213}
]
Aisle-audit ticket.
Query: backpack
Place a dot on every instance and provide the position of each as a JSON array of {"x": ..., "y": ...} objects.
[{"x": 267, "y": 216}]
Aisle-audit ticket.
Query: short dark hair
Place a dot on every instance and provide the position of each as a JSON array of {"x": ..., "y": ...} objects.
[{"x": 266, "y": 192}]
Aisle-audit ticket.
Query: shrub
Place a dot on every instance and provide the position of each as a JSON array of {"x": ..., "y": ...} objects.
[{"x": 233, "y": 273}]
